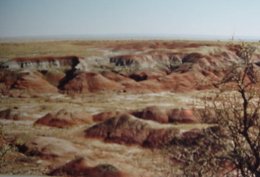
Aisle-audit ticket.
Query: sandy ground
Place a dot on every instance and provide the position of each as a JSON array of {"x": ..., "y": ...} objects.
[{"x": 136, "y": 160}]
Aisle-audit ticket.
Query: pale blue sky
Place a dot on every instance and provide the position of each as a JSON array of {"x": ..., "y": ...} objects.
[{"x": 118, "y": 17}]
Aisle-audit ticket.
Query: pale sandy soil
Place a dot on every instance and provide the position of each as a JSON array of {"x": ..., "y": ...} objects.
[{"x": 138, "y": 161}]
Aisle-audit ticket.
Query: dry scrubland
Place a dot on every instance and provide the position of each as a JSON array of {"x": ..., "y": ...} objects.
[
  {"x": 55, "y": 48},
  {"x": 107, "y": 108}
]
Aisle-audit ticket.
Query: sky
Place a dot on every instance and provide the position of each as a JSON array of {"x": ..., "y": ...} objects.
[{"x": 129, "y": 17}]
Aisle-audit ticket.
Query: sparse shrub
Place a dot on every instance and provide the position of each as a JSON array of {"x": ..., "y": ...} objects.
[
  {"x": 5, "y": 148},
  {"x": 107, "y": 168},
  {"x": 231, "y": 146}
]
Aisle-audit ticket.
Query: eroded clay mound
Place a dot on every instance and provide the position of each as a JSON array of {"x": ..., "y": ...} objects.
[
  {"x": 105, "y": 115},
  {"x": 33, "y": 81},
  {"x": 14, "y": 114},
  {"x": 182, "y": 116},
  {"x": 80, "y": 168},
  {"x": 49, "y": 148},
  {"x": 157, "y": 114},
  {"x": 146, "y": 75},
  {"x": 154, "y": 113},
  {"x": 146, "y": 67},
  {"x": 128, "y": 129},
  {"x": 115, "y": 76},
  {"x": 91, "y": 82},
  {"x": 54, "y": 77},
  {"x": 64, "y": 119}
]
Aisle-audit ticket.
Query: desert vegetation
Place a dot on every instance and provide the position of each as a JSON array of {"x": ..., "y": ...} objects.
[{"x": 231, "y": 146}]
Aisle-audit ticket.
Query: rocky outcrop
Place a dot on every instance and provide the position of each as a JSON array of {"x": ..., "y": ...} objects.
[
  {"x": 80, "y": 168},
  {"x": 64, "y": 119},
  {"x": 124, "y": 60},
  {"x": 155, "y": 60},
  {"x": 131, "y": 130},
  {"x": 42, "y": 63}
]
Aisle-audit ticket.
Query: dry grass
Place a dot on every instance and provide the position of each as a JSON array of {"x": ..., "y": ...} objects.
[
  {"x": 90, "y": 48},
  {"x": 56, "y": 48}
]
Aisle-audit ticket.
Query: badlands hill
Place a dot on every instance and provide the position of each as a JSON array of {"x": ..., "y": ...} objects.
[
  {"x": 107, "y": 108},
  {"x": 152, "y": 66}
]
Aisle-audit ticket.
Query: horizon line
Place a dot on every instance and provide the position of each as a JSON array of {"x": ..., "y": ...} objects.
[{"x": 130, "y": 37}]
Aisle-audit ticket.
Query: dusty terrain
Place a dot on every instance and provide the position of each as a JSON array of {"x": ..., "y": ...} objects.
[{"x": 104, "y": 108}]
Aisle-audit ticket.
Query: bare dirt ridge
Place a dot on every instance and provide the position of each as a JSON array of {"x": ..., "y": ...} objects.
[{"x": 159, "y": 66}]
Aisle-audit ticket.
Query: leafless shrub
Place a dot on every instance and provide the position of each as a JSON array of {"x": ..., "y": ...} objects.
[{"x": 231, "y": 146}]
